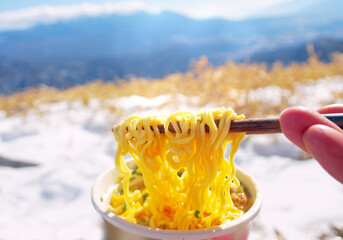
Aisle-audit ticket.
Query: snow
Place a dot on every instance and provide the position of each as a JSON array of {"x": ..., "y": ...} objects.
[{"x": 72, "y": 144}]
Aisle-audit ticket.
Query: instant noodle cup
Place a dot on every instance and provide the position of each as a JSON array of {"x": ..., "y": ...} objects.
[{"x": 118, "y": 228}]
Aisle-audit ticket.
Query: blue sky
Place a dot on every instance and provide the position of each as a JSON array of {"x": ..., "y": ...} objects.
[
  {"x": 212, "y": 5},
  {"x": 16, "y": 14}
]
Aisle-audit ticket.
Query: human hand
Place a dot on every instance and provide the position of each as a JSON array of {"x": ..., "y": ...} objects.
[{"x": 317, "y": 135}]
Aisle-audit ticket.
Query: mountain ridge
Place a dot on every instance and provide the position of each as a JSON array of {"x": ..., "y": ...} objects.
[{"x": 114, "y": 46}]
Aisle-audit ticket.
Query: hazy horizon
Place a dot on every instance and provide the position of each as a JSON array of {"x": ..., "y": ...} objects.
[{"x": 21, "y": 15}]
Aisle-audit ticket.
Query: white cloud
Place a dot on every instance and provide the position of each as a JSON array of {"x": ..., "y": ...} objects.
[
  {"x": 229, "y": 9},
  {"x": 46, "y": 14}
]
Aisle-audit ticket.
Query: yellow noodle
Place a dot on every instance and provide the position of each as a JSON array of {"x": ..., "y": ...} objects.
[{"x": 200, "y": 197}]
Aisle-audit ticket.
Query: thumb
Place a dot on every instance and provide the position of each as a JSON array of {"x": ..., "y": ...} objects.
[{"x": 325, "y": 144}]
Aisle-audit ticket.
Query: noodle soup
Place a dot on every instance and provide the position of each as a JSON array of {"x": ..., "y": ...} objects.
[
  {"x": 120, "y": 229},
  {"x": 240, "y": 198},
  {"x": 180, "y": 180}
]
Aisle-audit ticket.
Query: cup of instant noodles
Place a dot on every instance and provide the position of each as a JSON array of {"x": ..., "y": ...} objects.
[{"x": 118, "y": 228}]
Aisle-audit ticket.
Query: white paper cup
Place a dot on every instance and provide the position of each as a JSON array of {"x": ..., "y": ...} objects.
[{"x": 118, "y": 228}]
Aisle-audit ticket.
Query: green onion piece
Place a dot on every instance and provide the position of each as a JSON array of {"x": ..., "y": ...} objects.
[
  {"x": 145, "y": 195},
  {"x": 134, "y": 171},
  {"x": 124, "y": 208},
  {"x": 196, "y": 213},
  {"x": 120, "y": 189},
  {"x": 142, "y": 222}
]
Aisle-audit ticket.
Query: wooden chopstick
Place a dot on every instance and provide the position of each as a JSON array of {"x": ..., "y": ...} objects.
[{"x": 262, "y": 125}]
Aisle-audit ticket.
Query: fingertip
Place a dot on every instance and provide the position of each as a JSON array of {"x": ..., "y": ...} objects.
[
  {"x": 293, "y": 124},
  {"x": 292, "y": 110},
  {"x": 290, "y": 116},
  {"x": 295, "y": 121}
]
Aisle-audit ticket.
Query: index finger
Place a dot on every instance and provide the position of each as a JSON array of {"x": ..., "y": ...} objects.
[
  {"x": 334, "y": 108},
  {"x": 295, "y": 121}
]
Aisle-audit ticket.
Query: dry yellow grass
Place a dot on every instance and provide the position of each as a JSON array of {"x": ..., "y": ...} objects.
[{"x": 221, "y": 85}]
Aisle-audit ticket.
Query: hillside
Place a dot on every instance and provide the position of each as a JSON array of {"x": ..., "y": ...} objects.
[
  {"x": 323, "y": 47},
  {"x": 70, "y": 53}
]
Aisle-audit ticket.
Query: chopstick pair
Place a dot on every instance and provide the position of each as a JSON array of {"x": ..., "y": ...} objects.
[{"x": 263, "y": 125}]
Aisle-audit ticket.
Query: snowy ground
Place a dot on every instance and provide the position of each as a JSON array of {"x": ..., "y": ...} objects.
[{"x": 72, "y": 144}]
